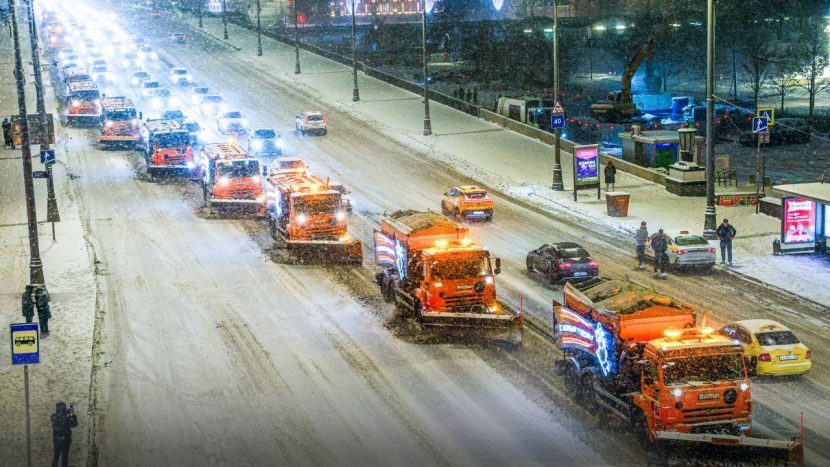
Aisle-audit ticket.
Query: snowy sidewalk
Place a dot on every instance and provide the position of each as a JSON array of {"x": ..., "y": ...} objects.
[
  {"x": 522, "y": 167},
  {"x": 65, "y": 356}
]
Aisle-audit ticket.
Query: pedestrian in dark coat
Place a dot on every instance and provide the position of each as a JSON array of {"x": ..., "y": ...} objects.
[
  {"x": 610, "y": 176},
  {"x": 63, "y": 420},
  {"x": 28, "y": 304},
  {"x": 7, "y": 133},
  {"x": 726, "y": 233},
  {"x": 641, "y": 237},
  {"x": 43, "y": 312},
  {"x": 660, "y": 243}
]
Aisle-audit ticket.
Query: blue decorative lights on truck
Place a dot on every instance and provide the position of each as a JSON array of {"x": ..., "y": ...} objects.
[{"x": 574, "y": 331}]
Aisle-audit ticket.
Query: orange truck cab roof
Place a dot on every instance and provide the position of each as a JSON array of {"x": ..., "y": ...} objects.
[
  {"x": 164, "y": 126},
  {"x": 82, "y": 86},
  {"x": 225, "y": 151},
  {"x": 116, "y": 104},
  {"x": 421, "y": 230},
  {"x": 691, "y": 342}
]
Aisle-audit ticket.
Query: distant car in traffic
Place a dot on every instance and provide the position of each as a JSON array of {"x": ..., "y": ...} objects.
[
  {"x": 770, "y": 348},
  {"x": 147, "y": 53},
  {"x": 687, "y": 250},
  {"x": 467, "y": 202},
  {"x": 137, "y": 78},
  {"x": 196, "y": 94},
  {"x": 179, "y": 38},
  {"x": 211, "y": 105},
  {"x": 148, "y": 87},
  {"x": 154, "y": 13},
  {"x": 101, "y": 74},
  {"x": 128, "y": 60},
  {"x": 173, "y": 115},
  {"x": 311, "y": 122},
  {"x": 232, "y": 123},
  {"x": 179, "y": 77},
  {"x": 562, "y": 262},
  {"x": 162, "y": 98},
  {"x": 264, "y": 142},
  {"x": 195, "y": 131}
]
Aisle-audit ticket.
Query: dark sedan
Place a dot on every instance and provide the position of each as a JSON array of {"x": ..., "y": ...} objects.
[{"x": 562, "y": 262}]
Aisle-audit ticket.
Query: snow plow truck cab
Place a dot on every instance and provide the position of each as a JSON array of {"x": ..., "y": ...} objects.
[
  {"x": 167, "y": 147},
  {"x": 230, "y": 179}
]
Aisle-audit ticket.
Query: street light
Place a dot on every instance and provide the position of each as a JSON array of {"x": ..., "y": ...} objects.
[
  {"x": 427, "y": 123},
  {"x": 200, "y": 13},
  {"x": 296, "y": 41},
  {"x": 225, "y": 18},
  {"x": 355, "y": 91},
  {"x": 709, "y": 221},
  {"x": 557, "y": 185},
  {"x": 258, "y": 30},
  {"x": 687, "y": 142}
]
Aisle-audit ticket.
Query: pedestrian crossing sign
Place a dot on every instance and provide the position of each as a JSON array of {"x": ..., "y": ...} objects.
[
  {"x": 25, "y": 343},
  {"x": 768, "y": 113}
]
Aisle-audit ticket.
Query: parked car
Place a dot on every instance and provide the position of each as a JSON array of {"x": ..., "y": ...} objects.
[
  {"x": 687, "y": 250},
  {"x": 770, "y": 348},
  {"x": 562, "y": 262}
]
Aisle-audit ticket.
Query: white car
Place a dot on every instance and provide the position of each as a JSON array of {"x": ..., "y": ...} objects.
[
  {"x": 687, "y": 250},
  {"x": 211, "y": 105},
  {"x": 128, "y": 60},
  {"x": 146, "y": 54},
  {"x": 232, "y": 123},
  {"x": 148, "y": 87},
  {"x": 138, "y": 77},
  {"x": 197, "y": 92},
  {"x": 180, "y": 77},
  {"x": 101, "y": 74},
  {"x": 311, "y": 122},
  {"x": 162, "y": 98}
]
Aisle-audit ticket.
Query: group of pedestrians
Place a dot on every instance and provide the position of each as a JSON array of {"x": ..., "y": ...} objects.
[
  {"x": 36, "y": 296},
  {"x": 660, "y": 245},
  {"x": 466, "y": 95}
]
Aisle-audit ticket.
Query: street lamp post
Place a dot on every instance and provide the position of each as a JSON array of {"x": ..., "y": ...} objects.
[
  {"x": 296, "y": 42},
  {"x": 52, "y": 213},
  {"x": 35, "y": 265},
  {"x": 709, "y": 215},
  {"x": 427, "y": 123},
  {"x": 258, "y": 29},
  {"x": 225, "y": 18},
  {"x": 355, "y": 91},
  {"x": 200, "y": 13},
  {"x": 687, "y": 142},
  {"x": 557, "y": 185}
]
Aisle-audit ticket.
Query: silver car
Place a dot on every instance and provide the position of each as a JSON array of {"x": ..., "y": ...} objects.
[{"x": 687, "y": 250}]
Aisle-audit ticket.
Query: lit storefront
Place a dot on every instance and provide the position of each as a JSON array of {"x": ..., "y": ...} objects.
[{"x": 380, "y": 7}]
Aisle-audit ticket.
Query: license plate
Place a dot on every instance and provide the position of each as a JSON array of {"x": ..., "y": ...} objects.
[
  {"x": 711, "y": 395},
  {"x": 580, "y": 274},
  {"x": 788, "y": 357}
]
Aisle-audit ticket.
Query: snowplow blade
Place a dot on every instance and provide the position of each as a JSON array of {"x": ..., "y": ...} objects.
[
  {"x": 328, "y": 251},
  {"x": 791, "y": 452},
  {"x": 238, "y": 207},
  {"x": 505, "y": 326}
]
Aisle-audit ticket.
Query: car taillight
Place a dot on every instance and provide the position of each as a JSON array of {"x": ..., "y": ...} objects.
[
  {"x": 764, "y": 357},
  {"x": 712, "y": 250},
  {"x": 566, "y": 265},
  {"x": 593, "y": 264},
  {"x": 682, "y": 252},
  {"x": 808, "y": 355},
  {"x": 305, "y": 121}
]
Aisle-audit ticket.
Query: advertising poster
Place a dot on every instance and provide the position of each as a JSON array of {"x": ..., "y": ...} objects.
[
  {"x": 587, "y": 165},
  {"x": 799, "y": 223}
]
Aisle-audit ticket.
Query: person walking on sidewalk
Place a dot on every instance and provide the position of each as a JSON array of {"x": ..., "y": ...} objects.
[
  {"x": 610, "y": 176},
  {"x": 660, "y": 243},
  {"x": 28, "y": 304},
  {"x": 726, "y": 233},
  {"x": 7, "y": 133},
  {"x": 43, "y": 312},
  {"x": 641, "y": 237},
  {"x": 63, "y": 420}
]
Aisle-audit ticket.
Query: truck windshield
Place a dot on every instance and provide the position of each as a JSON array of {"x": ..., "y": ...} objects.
[
  {"x": 314, "y": 205},
  {"x": 88, "y": 95},
  {"x": 239, "y": 169},
  {"x": 120, "y": 115},
  {"x": 703, "y": 369},
  {"x": 453, "y": 267},
  {"x": 171, "y": 140},
  {"x": 265, "y": 134}
]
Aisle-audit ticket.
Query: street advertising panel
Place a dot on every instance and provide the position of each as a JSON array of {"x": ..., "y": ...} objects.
[
  {"x": 799, "y": 221},
  {"x": 587, "y": 165}
]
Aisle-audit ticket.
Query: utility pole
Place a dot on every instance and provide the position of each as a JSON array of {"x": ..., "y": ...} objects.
[
  {"x": 225, "y": 18},
  {"x": 200, "y": 13},
  {"x": 427, "y": 122},
  {"x": 557, "y": 185},
  {"x": 355, "y": 91},
  {"x": 296, "y": 41},
  {"x": 52, "y": 213},
  {"x": 710, "y": 215},
  {"x": 35, "y": 265},
  {"x": 258, "y": 29}
]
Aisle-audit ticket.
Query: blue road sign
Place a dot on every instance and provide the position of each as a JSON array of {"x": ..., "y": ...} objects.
[
  {"x": 768, "y": 113},
  {"x": 47, "y": 156},
  {"x": 557, "y": 120},
  {"x": 760, "y": 124},
  {"x": 25, "y": 342}
]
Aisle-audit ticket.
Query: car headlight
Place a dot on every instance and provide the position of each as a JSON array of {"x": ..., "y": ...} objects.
[
  {"x": 223, "y": 181},
  {"x": 301, "y": 219},
  {"x": 257, "y": 144},
  {"x": 190, "y": 164},
  {"x": 340, "y": 215}
]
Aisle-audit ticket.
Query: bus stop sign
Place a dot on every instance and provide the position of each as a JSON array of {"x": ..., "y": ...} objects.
[{"x": 25, "y": 344}]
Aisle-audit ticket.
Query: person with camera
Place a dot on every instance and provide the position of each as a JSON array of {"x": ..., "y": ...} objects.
[{"x": 63, "y": 420}]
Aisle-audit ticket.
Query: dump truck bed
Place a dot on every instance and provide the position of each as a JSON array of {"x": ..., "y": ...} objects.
[{"x": 419, "y": 230}]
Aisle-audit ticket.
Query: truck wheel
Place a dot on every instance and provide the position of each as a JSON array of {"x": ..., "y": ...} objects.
[
  {"x": 272, "y": 226},
  {"x": 571, "y": 381},
  {"x": 387, "y": 289},
  {"x": 589, "y": 395},
  {"x": 641, "y": 430}
]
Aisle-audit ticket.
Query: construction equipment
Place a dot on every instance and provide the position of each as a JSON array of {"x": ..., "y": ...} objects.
[
  {"x": 119, "y": 122},
  {"x": 231, "y": 179},
  {"x": 307, "y": 215},
  {"x": 618, "y": 106},
  {"x": 636, "y": 354},
  {"x": 167, "y": 147},
  {"x": 433, "y": 271}
]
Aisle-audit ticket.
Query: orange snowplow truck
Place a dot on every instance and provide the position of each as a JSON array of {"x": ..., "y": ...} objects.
[
  {"x": 433, "y": 271},
  {"x": 308, "y": 216},
  {"x": 633, "y": 353},
  {"x": 231, "y": 179},
  {"x": 119, "y": 122},
  {"x": 84, "y": 103},
  {"x": 167, "y": 147}
]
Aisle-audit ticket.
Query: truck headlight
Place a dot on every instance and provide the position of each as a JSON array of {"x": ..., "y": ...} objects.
[
  {"x": 76, "y": 103},
  {"x": 223, "y": 181},
  {"x": 109, "y": 124},
  {"x": 744, "y": 387},
  {"x": 257, "y": 144},
  {"x": 190, "y": 165},
  {"x": 341, "y": 216},
  {"x": 301, "y": 219},
  {"x": 256, "y": 179},
  {"x": 677, "y": 393}
]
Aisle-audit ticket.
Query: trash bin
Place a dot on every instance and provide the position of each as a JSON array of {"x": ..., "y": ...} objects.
[{"x": 617, "y": 203}]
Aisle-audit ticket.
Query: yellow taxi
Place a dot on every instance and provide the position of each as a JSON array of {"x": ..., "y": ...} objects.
[
  {"x": 770, "y": 347},
  {"x": 468, "y": 202}
]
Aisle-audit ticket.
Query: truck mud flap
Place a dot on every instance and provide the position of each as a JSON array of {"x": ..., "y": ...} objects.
[
  {"x": 743, "y": 447},
  {"x": 328, "y": 252}
]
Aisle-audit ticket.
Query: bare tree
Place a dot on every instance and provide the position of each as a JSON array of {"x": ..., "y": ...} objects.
[
  {"x": 810, "y": 55},
  {"x": 783, "y": 79}
]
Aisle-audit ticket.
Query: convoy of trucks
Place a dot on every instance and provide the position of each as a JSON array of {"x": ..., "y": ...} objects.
[
  {"x": 643, "y": 357},
  {"x": 231, "y": 179},
  {"x": 433, "y": 271}
]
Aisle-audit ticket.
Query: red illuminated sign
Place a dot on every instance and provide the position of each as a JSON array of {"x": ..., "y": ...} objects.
[{"x": 799, "y": 225}]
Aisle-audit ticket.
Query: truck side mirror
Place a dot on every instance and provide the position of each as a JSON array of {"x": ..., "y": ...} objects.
[
  {"x": 264, "y": 171},
  {"x": 498, "y": 266}
]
